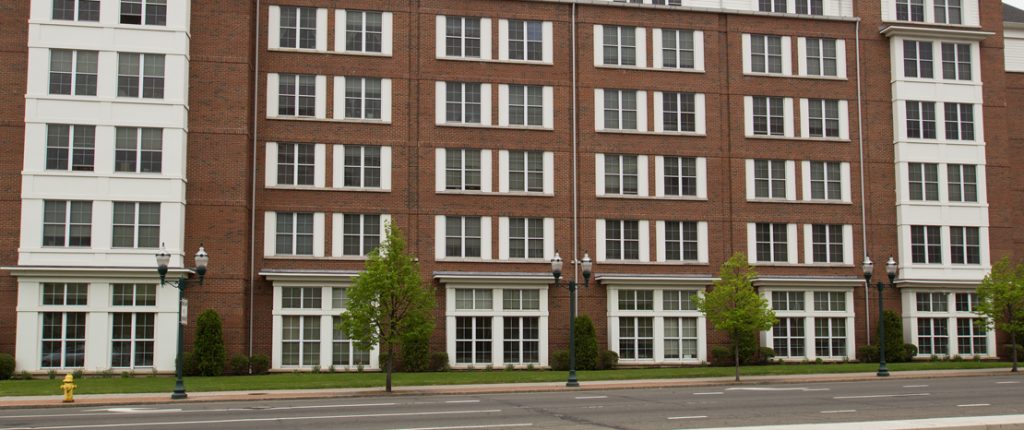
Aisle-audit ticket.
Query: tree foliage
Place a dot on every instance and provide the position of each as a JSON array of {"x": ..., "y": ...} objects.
[
  {"x": 209, "y": 356},
  {"x": 1001, "y": 300},
  {"x": 586, "y": 344},
  {"x": 734, "y": 306},
  {"x": 387, "y": 301}
]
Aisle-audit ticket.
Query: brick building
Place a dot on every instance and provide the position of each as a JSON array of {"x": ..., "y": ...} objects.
[{"x": 657, "y": 137}]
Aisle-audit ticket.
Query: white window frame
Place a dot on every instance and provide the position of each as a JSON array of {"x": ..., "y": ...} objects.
[
  {"x": 787, "y": 115},
  {"x": 642, "y": 175},
  {"x": 659, "y": 50},
  {"x": 924, "y": 183},
  {"x": 320, "y": 104},
  {"x": 66, "y": 223},
  {"x": 644, "y": 241},
  {"x": 547, "y": 42},
  {"x": 922, "y": 120},
  {"x": 441, "y": 169},
  {"x": 843, "y": 119},
  {"x": 791, "y": 244},
  {"x": 921, "y": 64},
  {"x": 957, "y": 61},
  {"x": 140, "y": 90},
  {"x": 319, "y": 167},
  {"x": 951, "y": 315},
  {"x": 270, "y": 236},
  {"x": 960, "y": 185},
  {"x": 547, "y": 107},
  {"x": 659, "y": 314},
  {"x": 911, "y": 244},
  {"x": 326, "y": 313},
  {"x": 786, "y": 54},
  {"x": 962, "y": 124},
  {"x": 133, "y": 340},
  {"x": 340, "y": 96},
  {"x": 640, "y": 112},
  {"x": 497, "y": 314},
  {"x": 338, "y": 233},
  {"x": 274, "y": 30},
  {"x": 137, "y": 224},
  {"x": 505, "y": 172},
  {"x": 440, "y": 31},
  {"x": 73, "y": 148},
  {"x": 75, "y": 72},
  {"x": 339, "y": 166},
  {"x": 790, "y": 178},
  {"x": 505, "y": 233},
  {"x": 964, "y": 245},
  {"x": 639, "y": 47},
  {"x": 661, "y": 244},
  {"x": 844, "y": 182},
  {"x": 341, "y": 33},
  {"x": 440, "y": 236},
  {"x": 660, "y": 177},
  {"x": 847, "y": 244},
  {"x": 700, "y": 113},
  {"x": 807, "y": 316},
  {"x": 441, "y": 105}
]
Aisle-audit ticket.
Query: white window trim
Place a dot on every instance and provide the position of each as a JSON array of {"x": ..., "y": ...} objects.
[
  {"x": 385, "y": 100},
  {"x": 319, "y": 174},
  {"x": 911, "y": 314},
  {"x": 790, "y": 182},
  {"x": 504, "y": 168},
  {"x": 809, "y": 314},
  {"x": 441, "y": 107},
  {"x": 844, "y": 121},
  {"x": 698, "y": 52},
  {"x": 700, "y": 115},
  {"x": 791, "y": 245},
  {"x": 658, "y": 315},
  {"x": 270, "y": 237},
  {"x": 440, "y": 235},
  {"x": 338, "y": 164},
  {"x": 274, "y": 30},
  {"x": 659, "y": 183},
  {"x": 338, "y": 234},
  {"x": 547, "y": 29},
  {"x": 801, "y": 49},
  {"x": 386, "y": 38},
  {"x": 641, "y": 112},
  {"x": 847, "y": 246},
  {"x": 497, "y": 314},
  {"x": 641, "y": 48},
  {"x": 326, "y": 313},
  {"x": 787, "y": 112},
  {"x": 440, "y": 31},
  {"x": 440, "y": 164},
  {"x": 642, "y": 176},
  {"x": 787, "y": 56},
  {"x": 702, "y": 244},
  {"x": 321, "y": 99},
  {"x": 969, "y": 14},
  {"x": 844, "y": 177},
  {"x": 504, "y": 108},
  {"x": 504, "y": 249},
  {"x": 645, "y": 242}
]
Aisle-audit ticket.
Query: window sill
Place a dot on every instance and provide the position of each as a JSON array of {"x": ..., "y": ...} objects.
[
  {"x": 117, "y": 26},
  {"x": 770, "y": 137},
  {"x": 359, "y": 189},
  {"x": 526, "y": 194},
  {"x": 107, "y": 99},
  {"x": 773, "y": 264},
  {"x": 823, "y": 202},
  {"x": 827, "y": 265},
  {"x": 618, "y": 196},
  {"x": 463, "y": 193},
  {"x": 316, "y": 188},
  {"x": 649, "y": 69},
  {"x": 525, "y": 127},
  {"x": 771, "y": 200},
  {"x": 823, "y": 77},
  {"x": 294, "y": 187},
  {"x": 939, "y": 80},
  {"x": 680, "y": 263},
  {"x": 292, "y": 257},
  {"x": 624, "y": 262},
  {"x": 823, "y": 139},
  {"x": 769, "y": 75},
  {"x": 942, "y": 204},
  {"x": 649, "y": 133},
  {"x": 682, "y": 198},
  {"x": 334, "y": 120},
  {"x": 491, "y": 60},
  {"x": 920, "y": 141},
  {"x": 511, "y": 260},
  {"x": 329, "y": 52},
  {"x": 463, "y": 260}
]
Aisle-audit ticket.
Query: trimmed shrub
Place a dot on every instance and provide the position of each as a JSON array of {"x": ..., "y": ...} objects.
[
  {"x": 1007, "y": 352},
  {"x": 260, "y": 364},
  {"x": 439, "y": 362},
  {"x": 189, "y": 366},
  {"x": 415, "y": 354},
  {"x": 6, "y": 366},
  {"x": 239, "y": 364},
  {"x": 749, "y": 349},
  {"x": 586, "y": 344},
  {"x": 894, "y": 350},
  {"x": 559, "y": 360},
  {"x": 721, "y": 356},
  {"x": 867, "y": 353},
  {"x": 765, "y": 355},
  {"x": 608, "y": 360},
  {"x": 209, "y": 344},
  {"x": 909, "y": 351}
]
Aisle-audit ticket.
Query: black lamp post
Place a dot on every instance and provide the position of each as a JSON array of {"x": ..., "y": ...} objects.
[
  {"x": 162, "y": 259},
  {"x": 556, "y": 270},
  {"x": 890, "y": 269}
]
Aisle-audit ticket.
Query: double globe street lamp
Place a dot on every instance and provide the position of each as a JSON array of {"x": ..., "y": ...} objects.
[
  {"x": 162, "y": 260},
  {"x": 890, "y": 269},
  {"x": 556, "y": 270}
]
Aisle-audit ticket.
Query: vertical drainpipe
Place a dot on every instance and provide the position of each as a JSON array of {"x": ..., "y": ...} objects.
[
  {"x": 575, "y": 134},
  {"x": 252, "y": 202},
  {"x": 863, "y": 202}
]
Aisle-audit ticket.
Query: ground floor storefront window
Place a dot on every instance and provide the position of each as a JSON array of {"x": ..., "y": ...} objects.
[
  {"x": 656, "y": 324},
  {"x": 496, "y": 326},
  {"x": 813, "y": 322},
  {"x": 306, "y": 331},
  {"x": 943, "y": 323}
]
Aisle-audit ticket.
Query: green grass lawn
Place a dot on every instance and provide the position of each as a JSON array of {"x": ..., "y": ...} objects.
[{"x": 282, "y": 381}]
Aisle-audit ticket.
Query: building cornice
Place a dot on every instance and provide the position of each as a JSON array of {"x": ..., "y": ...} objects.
[
  {"x": 492, "y": 278},
  {"x": 621, "y": 279},
  {"x": 808, "y": 281},
  {"x": 914, "y": 31},
  {"x": 79, "y": 272},
  {"x": 962, "y": 284},
  {"x": 298, "y": 275},
  {"x": 607, "y": 3}
]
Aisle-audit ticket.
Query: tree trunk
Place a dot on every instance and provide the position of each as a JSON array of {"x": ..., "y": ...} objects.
[
  {"x": 390, "y": 365},
  {"x": 736, "y": 354},
  {"x": 1013, "y": 344}
]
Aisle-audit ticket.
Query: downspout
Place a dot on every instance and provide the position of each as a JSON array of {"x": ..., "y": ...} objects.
[
  {"x": 575, "y": 136},
  {"x": 863, "y": 203},
  {"x": 252, "y": 202}
]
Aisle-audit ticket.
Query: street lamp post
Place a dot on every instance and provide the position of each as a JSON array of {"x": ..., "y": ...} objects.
[
  {"x": 556, "y": 270},
  {"x": 162, "y": 260},
  {"x": 890, "y": 269}
]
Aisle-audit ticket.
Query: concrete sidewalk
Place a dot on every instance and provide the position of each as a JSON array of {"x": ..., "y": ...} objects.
[{"x": 227, "y": 396}]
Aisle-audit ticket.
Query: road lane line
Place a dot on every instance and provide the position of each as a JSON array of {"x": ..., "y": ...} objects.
[
  {"x": 482, "y": 426},
  {"x": 285, "y": 408},
  {"x": 268, "y": 419},
  {"x": 1008, "y": 382},
  {"x": 141, "y": 410},
  {"x": 708, "y": 394},
  {"x": 973, "y": 405},
  {"x": 840, "y": 411},
  {"x": 879, "y": 396},
  {"x": 462, "y": 401},
  {"x": 953, "y": 422},
  {"x": 914, "y": 386},
  {"x": 776, "y": 389},
  {"x": 591, "y": 397},
  {"x": 107, "y": 411},
  {"x": 693, "y": 417}
]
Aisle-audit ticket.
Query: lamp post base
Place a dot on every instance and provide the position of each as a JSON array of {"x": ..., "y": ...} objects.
[
  {"x": 882, "y": 371},
  {"x": 179, "y": 391},
  {"x": 572, "y": 382}
]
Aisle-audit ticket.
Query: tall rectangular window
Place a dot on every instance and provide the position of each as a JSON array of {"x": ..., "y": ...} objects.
[
  {"x": 772, "y": 6},
  {"x": 932, "y": 336},
  {"x": 948, "y": 12},
  {"x": 346, "y": 352},
  {"x": 959, "y": 121},
  {"x": 830, "y": 337},
  {"x": 917, "y": 59},
  {"x": 636, "y": 338},
  {"x": 827, "y": 243},
  {"x": 525, "y": 40},
  {"x": 63, "y": 340},
  {"x": 296, "y": 163},
  {"x": 67, "y": 223},
  {"x": 360, "y": 234},
  {"x": 294, "y": 233},
  {"x": 73, "y": 72},
  {"x": 362, "y": 166},
  {"x": 473, "y": 337},
  {"x": 300, "y": 340},
  {"x": 298, "y": 27},
  {"x": 770, "y": 179},
  {"x": 965, "y": 245},
  {"x": 769, "y": 116},
  {"x": 147, "y": 69},
  {"x": 148, "y": 12},
  {"x": 788, "y": 337},
  {"x": 76, "y": 10},
  {"x": 681, "y": 241},
  {"x": 925, "y": 244},
  {"x": 972, "y": 336},
  {"x": 822, "y": 57},
  {"x": 963, "y": 182},
  {"x": 622, "y": 240},
  {"x": 296, "y": 95},
  {"x": 956, "y": 60},
  {"x": 132, "y": 339},
  {"x": 463, "y": 237},
  {"x": 910, "y": 10},
  {"x": 526, "y": 105},
  {"x": 363, "y": 98},
  {"x": 70, "y": 147},
  {"x": 924, "y": 181},
  {"x": 526, "y": 238},
  {"x": 677, "y": 49},
  {"x": 619, "y": 45},
  {"x": 771, "y": 242},
  {"x": 462, "y": 102},
  {"x": 364, "y": 31},
  {"x": 765, "y": 53},
  {"x": 679, "y": 112},
  {"x": 810, "y": 7},
  {"x": 462, "y": 37},
  {"x": 621, "y": 174},
  {"x": 680, "y": 337},
  {"x": 823, "y": 118},
  {"x": 521, "y": 340},
  {"x": 526, "y": 171},
  {"x": 463, "y": 170},
  {"x": 620, "y": 109},
  {"x": 921, "y": 120},
  {"x": 138, "y": 150},
  {"x": 136, "y": 225},
  {"x": 826, "y": 180},
  {"x": 680, "y": 176}
]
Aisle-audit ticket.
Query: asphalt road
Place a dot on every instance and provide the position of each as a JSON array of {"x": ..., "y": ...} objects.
[{"x": 664, "y": 408}]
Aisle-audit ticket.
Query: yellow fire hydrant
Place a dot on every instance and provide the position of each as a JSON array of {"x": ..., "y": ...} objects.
[{"x": 69, "y": 388}]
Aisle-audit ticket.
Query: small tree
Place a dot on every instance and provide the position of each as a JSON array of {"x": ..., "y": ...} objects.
[
  {"x": 586, "y": 344},
  {"x": 1001, "y": 301},
  {"x": 733, "y": 306},
  {"x": 208, "y": 349},
  {"x": 387, "y": 301}
]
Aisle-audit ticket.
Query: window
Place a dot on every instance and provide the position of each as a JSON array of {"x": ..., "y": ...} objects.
[
  {"x": 132, "y": 339},
  {"x": 948, "y": 12},
  {"x": 636, "y": 300},
  {"x": 147, "y": 68},
  {"x": 155, "y": 12},
  {"x": 63, "y": 340},
  {"x": 925, "y": 244},
  {"x": 363, "y": 98},
  {"x": 668, "y": 2},
  {"x": 959, "y": 121},
  {"x": 473, "y": 299},
  {"x": 76, "y": 10},
  {"x": 138, "y": 150},
  {"x": 677, "y": 49},
  {"x": 73, "y": 72},
  {"x": 679, "y": 112},
  {"x": 462, "y": 169},
  {"x": 463, "y": 103},
  {"x": 296, "y": 95},
  {"x": 810, "y": 7},
  {"x": 772, "y": 6},
  {"x": 294, "y": 233},
  {"x": 963, "y": 182},
  {"x": 932, "y": 302},
  {"x": 346, "y": 352},
  {"x": 518, "y": 300},
  {"x": 966, "y": 302},
  {"x": 300, "y": 340},
  {"x": 771, "y": 241},
  {"x": 133, "y": 294},
  {"x": 70, "y": 147},
  {"x": 65, "y": 294},
  {"x": 910, "y": 10},
  {"x": 680, "y": 176},
  {"x": 965, "y": 246},
  {"x": 362, "y": 166},
  {"x": 526, "y": 105},
  {"x": 462, "y": 37},
  {"x": 298, "y": 27},
  {"x": 769, "y": 117},
  {"x": 525, "y": 40},
  {"x": 636, "y": 338},
  {"x": 473, "y": 340},
  {"x": 956, "y": 60},
  {"x": 788, "y": 337},
  {"x": 681, "y": 241},
  {"x": 920, "y": 120},
  {"x": 360, "y": 234},
  {"x": 526, "y": 171},
  {"x": 924, "y": 181},
  {"x": 675, "y": 300},
  {"x": 680, "y": 337},
  {"x": 620, "y": 107},
  {"x": 136, "y": 225},
  {"x": 830, "y": 337},
  {"x": 932, "y": 336},
  {"x": 67, "y": 223},
  {"x": 462, "y": 237},
  {"x": 826, "y": 180},
  {"x": 296, "y": 163},
  {"x": 621, "y": 174},
  {"x": 765, "y": 53},
  {"x": 521, "y": 340},
  {"x": 526, "y": 237},
  {"x": 829, "y": 301},
  {"x": 788, "y": 300},
  {"x": 827, "y": 243},
  {"x": 770, "y": 179},
  {"x": 622, "y": 240},
  {"x": 339, "y": 298},
  {"x": 917, "y": 59},
  {"x": 364, "y": 31},
  {"x": 301, "y": 297},
  {"x": 619, "y": 44},
  {"x": 823, "y": 118},
  {"x": 972, "y": 336},
  {"x": 822, "y": 56}
]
